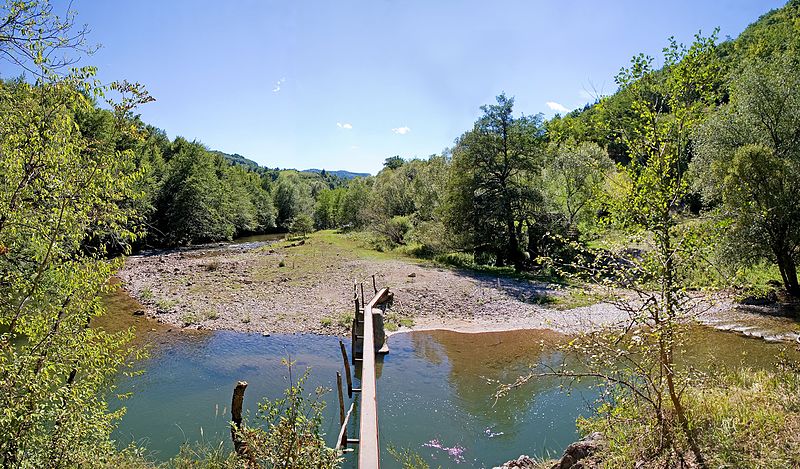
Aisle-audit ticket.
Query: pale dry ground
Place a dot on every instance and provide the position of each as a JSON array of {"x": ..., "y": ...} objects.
[{"x": 308, "y": 288}]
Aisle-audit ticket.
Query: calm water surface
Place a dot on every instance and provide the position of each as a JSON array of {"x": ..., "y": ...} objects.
[{"x": 433, "y": 395}]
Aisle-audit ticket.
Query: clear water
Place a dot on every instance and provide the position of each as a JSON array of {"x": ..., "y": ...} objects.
[{"x": 433, "y": 393}]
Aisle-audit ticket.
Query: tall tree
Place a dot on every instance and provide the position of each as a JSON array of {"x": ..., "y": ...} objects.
[
  {"x": 574, "y": 177},
  {"x": 292, "y": 198},
  {"x": 191, "y": 202},
  {"x": 58, "y": 188},
  {"x": 749, "y": 160},
  {"x": 493, "y": 182}
]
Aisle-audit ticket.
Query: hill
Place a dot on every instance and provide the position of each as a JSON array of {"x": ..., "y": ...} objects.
[
  {"x": 237, "y": 159},
  {"x": 340, "y": 173}
]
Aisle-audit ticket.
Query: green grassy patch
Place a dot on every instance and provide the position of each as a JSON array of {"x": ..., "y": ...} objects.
[{"x": 576, "y": 298}]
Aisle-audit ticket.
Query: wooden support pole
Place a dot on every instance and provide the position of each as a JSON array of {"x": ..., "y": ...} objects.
[
  {"x": 374, "y": 285},
  {"x": 342, "y": 440},
  {"x": 362, "y": 294},
  {"x": 341, "y": 397},
  {"x": 347, "y": 371},
  {"x": 236, "y": 415}
]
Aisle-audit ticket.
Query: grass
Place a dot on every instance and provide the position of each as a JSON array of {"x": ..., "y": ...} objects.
[
  {"x": 166, "y": 305},
  {"x": 345, "y": 319},
  {"x": 576, "y": 298},
  {"x": 393, "y": 321},
  {"x": 146, "y": 294},
  {"x": 742, "y": 418}
]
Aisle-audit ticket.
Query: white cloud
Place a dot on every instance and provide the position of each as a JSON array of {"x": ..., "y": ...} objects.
[
  {"x": 346, "y": 125},
  {"x": 401, "y": 130},
  {"x": 354, "y": 147},
  {"x": 278, "y": 85},
  {"x": 556, "y": 106}
]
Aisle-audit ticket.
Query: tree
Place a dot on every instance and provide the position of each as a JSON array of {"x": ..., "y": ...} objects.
[
  {"x": 492, "y": 188},
  {"x": 670, "y": 104},
  {"x": 749, "y": 161},
  {"x": 393, "y": 162},
  {"x": 302, "y": 224},
  {"x": 58, "y": 188},
  {"x": 191, "y": 204},
  {"x": 637, "y": 360},
  {"x": 354, "y": 206},
  {"x": 292, "y": 197},
  {"x": 575, "y": 176}
]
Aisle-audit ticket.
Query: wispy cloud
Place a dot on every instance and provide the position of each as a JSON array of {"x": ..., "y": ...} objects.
[
  {"x": 354, "y": 147},
  {"x": 401, "y": 130},
  {"x": 278, "y": 85},
  {"x": 556, "y": 106},
  {"x": 345, "y": 125}
]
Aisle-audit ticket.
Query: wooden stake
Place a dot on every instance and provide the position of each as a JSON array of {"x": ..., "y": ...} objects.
[
  {"x": 347, "y": 371},
  {"x": 374, "y": 285},
  {"x": 362, "y": 294},
  {"x": 236, "y": 415},
  {"x": 342, "y": 421}
]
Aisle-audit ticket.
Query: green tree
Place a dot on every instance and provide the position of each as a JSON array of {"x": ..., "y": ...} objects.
[
  {"x": 302, "y": 225},
  {"x": 393, "y": 162},
  {"x": 670, "y": 104},
  {"x": 292, "y": 197},
  {"x": 58, "y": 188},
  {"x": 575, "y": 175},
  {"x": 749, "y": 161},
  {"x": 492, "y": 188},
  {"x": 355, "y": 203},
  {"x": 191, "y": 203},
  {"x": 326, "y": 209}
]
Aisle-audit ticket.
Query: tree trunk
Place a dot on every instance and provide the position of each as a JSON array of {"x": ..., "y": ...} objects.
[{"x": 788, "y": 271}]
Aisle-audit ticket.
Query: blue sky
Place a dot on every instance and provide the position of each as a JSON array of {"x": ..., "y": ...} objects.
[{"x": 345, "y": 84}]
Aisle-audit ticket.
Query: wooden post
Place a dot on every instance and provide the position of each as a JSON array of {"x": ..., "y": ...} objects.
[
  {"x": 374, "y": 285},
  {"x": 362, "y": 294},
  {"x": 236, "y": 415},
  {"x": 349, "y": 377},
  {"x": 342, "y": 422}
]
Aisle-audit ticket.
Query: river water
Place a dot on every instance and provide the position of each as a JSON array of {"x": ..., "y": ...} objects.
[{"x": 433, "y": 394}]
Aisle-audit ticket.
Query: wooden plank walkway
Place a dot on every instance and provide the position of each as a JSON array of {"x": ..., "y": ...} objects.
[{"x": 369, "y": 455}]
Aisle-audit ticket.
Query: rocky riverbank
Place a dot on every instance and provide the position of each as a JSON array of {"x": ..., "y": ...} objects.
[{"x": 307, "y": 287}]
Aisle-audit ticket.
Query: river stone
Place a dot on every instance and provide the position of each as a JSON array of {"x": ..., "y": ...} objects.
[
  {"x": 522, "y": 462},
  {"x": 576, "y": 454}
]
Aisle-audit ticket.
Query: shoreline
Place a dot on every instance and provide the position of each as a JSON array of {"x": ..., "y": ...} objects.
[{"x": 288, "y": 288}]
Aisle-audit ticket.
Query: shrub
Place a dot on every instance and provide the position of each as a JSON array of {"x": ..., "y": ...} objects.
[{"x": 292, "y": 435}]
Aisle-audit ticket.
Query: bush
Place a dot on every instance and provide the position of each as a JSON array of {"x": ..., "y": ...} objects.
[
  {"x": 292, "y": 436},
  {"x": 743, "y": 419},
  {"x": 394, "y": 230}
]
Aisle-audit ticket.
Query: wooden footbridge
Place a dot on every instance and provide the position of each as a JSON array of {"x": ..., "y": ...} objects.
[{"x": 368, "y": 339}]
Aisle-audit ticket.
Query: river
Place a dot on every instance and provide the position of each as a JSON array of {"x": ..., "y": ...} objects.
[{"x": 433, "y": 394}]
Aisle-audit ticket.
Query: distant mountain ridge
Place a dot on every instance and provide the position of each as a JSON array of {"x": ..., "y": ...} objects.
[
  {"x": 340, "y": 173},
  {"x": 240, "y": 160}
]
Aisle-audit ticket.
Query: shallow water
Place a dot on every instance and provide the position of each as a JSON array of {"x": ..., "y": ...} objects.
[{"x": 433, "y": 395}]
